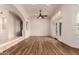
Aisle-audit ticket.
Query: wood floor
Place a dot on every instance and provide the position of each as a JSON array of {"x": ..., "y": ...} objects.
[{"x": 40, "y": 46}]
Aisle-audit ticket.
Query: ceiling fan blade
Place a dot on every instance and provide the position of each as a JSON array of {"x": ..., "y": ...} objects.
[
  {"x": 40, "y": 15},
  {"x": 45, "y": 15}
]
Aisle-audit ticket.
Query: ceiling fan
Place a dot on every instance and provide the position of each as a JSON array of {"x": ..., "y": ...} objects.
[{"x": 41, "y": 15}]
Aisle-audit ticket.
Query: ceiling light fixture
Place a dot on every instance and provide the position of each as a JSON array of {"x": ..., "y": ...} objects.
[{"x": 41, "y": 15}]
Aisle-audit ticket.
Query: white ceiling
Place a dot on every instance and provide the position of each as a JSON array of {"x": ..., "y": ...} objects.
[{"x": 33, "y": 9}]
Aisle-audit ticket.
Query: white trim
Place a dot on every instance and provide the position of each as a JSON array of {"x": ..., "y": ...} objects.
[{"x": 11, "y": 43}]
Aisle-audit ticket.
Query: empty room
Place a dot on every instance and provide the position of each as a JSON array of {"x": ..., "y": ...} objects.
[{"x": 39, "y": 29}]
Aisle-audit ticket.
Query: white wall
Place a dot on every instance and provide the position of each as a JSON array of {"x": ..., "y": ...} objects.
[
  {"x": 54, "y": 24},
  {"x": 3, "y": 27},
  {"x": 39, "y": 27},
  {"x": 10, "y": 32},
  {"x": 27, "y": 28},
  {"x": 13, "y": 26},
  {"x": 8, "y": 29},
  {"x": 53, "y": 28},
  {"x": 26, "y": 33},
  {"x": 17, "y": 25},
  {"x": 68, "y": 31},
  {"x": 68, "y": 27}
]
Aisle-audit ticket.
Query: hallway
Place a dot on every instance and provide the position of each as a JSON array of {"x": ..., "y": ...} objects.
[
  {"x": 40, "y": 45},
  {"x": 33, "y": 26}
]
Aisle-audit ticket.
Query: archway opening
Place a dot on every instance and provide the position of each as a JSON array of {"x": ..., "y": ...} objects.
[{"x": 18, "y": 24}]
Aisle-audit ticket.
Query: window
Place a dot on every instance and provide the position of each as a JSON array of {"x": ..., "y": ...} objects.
[
  {"x": 60, "y": 28},
  {"x": 56, "y": 29}
]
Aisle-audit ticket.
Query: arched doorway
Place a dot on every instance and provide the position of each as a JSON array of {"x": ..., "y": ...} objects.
[
  {"x": 11, "y": 25},
  {"x": 17, "y": 24}
]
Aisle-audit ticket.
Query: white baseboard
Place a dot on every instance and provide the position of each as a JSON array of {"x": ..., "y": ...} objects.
[{"x": 11, "y": 43}]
